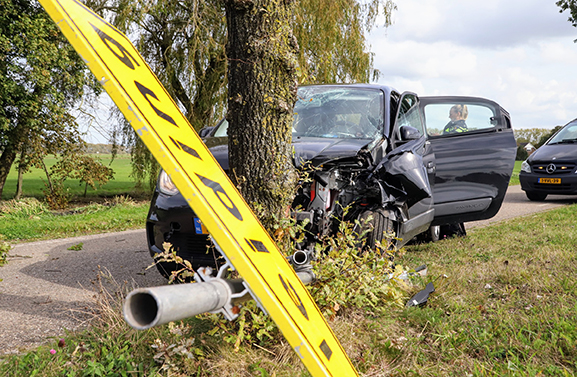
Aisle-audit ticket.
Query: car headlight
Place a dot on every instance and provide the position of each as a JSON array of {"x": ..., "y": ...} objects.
[
  {"x": 165, "y": 184},
  {"x": 525, "y": 167}
]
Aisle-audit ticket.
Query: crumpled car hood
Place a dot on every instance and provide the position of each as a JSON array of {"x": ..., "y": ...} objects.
[
  {"x": 316, "y": 150},
  {"x": 561, "y": 152},
  {"x": 319, "y": 150}
]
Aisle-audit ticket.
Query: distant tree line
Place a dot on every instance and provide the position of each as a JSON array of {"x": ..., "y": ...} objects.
[
  {"x": 535, "y": 136},
  {"x": 105, "y": 149}
]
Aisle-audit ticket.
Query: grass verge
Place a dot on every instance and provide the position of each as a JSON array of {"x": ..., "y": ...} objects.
[
  {"x": 505, "y": 305},
  {"x": 515, "y": 175},
  {"x": 30, "y": 219}
]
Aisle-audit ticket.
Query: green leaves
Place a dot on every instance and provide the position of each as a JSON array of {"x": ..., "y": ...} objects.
[{"x": 41, "y": 80}]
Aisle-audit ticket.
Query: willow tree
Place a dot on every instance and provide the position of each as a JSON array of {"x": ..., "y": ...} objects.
[
  {"x": 331, "y": 36},
  {"x": 571, "y": 6},
  {"x": 184, "y": 43},
  {"x": 41, "y": 79}
]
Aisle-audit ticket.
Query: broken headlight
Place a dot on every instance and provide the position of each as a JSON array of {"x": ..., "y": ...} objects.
[{"x": 165, "y": 184}]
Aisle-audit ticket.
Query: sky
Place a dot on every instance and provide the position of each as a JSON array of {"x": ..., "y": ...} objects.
[{"x": 519, "y": 53}]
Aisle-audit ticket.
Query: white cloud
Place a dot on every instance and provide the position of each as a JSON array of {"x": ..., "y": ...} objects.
[
  {"x": 488, "y": 23},
  {"x": 519, "y": 53}
]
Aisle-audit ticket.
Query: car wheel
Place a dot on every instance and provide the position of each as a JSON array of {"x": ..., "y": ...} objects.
[
  {"x": 379, "y": 227},
  {"x": 452, "y": 230},
  {"x": 535, "y": 196},
  {"x": 434, "y": 233}
]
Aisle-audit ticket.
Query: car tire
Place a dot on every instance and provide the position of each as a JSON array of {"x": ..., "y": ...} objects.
[
  {"x": 452, "y": 230},
  {"x": 535, "y": 196},
  {"x": 378, "y": 227},
  {"x": 434, "y": 233}
]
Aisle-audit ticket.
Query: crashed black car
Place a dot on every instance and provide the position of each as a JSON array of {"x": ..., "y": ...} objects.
[
  {"x": 383, "y": 154},
  {"x": 552, "y": 169}
]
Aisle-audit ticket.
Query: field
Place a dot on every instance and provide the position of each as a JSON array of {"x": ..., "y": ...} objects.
[
  {"x": 115, "y": 206},
  {"x": 33, "y": 181}
]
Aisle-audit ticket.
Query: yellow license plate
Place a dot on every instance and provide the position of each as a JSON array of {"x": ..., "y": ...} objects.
[{"x": 554, "y": 181}]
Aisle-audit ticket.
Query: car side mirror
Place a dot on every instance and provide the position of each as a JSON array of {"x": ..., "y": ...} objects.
[
  {"x": 205, "y": 131},
  {"x": 409, "y": 133}
]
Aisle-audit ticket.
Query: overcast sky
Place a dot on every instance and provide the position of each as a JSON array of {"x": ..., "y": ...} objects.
[{"x": 519, "y": 53}]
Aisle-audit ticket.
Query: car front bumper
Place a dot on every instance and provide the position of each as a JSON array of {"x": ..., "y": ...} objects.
[
  {"x": 567, "y": 185},
  {"x": 170, "y": 220}
]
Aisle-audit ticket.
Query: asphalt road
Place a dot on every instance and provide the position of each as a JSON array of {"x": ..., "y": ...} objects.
[
  {"x": 47, "y": 288},
  {"x": 516, "y": 204}
]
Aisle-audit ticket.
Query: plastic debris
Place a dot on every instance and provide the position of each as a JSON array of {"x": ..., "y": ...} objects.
[{"x": 421, "y": 297}]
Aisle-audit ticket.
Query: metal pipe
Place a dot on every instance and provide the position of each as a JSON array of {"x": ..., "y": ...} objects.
[
  {"x": 148, "y": 307},
  {"x": 299, "y": 258},
  {"x": 307, "y": 276},
  {"x": 145, "y": 308}
]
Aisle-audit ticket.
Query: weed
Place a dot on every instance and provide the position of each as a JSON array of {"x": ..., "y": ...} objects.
[
  {"x": 25, "y": 208},
  {"x": 4, "y": 249}
]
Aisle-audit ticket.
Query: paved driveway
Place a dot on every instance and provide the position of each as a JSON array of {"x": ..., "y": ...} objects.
[{"x": 516, "y": 204}]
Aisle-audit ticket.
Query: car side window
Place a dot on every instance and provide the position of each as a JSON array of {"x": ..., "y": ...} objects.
[
  {"x": 409, "y": 115},
  {"x": 458, "y": 118}
]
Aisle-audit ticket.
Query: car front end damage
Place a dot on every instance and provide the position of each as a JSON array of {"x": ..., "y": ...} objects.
[{"x": 362, "y": 187}]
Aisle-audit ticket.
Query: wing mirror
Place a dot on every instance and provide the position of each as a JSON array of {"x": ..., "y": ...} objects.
[
  {"x": 409, "y": 133},
  {"x": 205, "y": 131}
]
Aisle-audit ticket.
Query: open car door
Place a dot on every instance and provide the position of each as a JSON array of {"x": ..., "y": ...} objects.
[{"x": 474, "y": 148}]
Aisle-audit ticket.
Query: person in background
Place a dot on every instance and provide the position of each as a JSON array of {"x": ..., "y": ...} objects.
[{"x": 458, "y": 115}]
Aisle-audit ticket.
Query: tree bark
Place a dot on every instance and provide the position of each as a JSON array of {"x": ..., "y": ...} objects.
[
  {"x": 6, "y": 160},
  {"x": 262, "y": 84},
  {"x": 20, "y": 182}
]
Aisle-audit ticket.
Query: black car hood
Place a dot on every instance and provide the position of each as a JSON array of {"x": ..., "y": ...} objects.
[
  {"x": 316, "y": 150},
  {"x": 319, "y": 150},
  {"x": 555, "y": 152}
]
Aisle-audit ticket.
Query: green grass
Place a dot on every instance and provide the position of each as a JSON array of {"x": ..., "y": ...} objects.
[
  {"x": 505, "y": 305},
  {"x": 33, "y": 181},
  {"x": 515, "y": 176},
  {"x": 106, "y": 209},
  {"x": 30, "y": 219}
]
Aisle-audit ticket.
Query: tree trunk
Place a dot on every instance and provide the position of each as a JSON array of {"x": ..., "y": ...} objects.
[
  {"x": 21, "y": 168},
  {"x": 50, "y": 185},
  {"x": 262, "y": 81},
  {"x": 6, "y": 160}
]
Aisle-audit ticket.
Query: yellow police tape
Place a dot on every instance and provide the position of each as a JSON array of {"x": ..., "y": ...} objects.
[{"x": 181, "y": 153}]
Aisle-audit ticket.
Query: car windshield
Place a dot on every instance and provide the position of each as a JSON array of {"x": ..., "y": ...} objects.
[
  {"x": 333, "y": 112},
  {"x": 567, "y": 135},
  {"x": 338, "y": 112}
]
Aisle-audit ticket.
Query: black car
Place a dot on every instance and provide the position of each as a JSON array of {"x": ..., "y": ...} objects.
[
  {"x": 552, "y": 169},
  {"x": 413, "y": 165}
]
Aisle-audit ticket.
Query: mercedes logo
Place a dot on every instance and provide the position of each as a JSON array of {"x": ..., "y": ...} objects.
[{"x": 551, "y": 168}]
